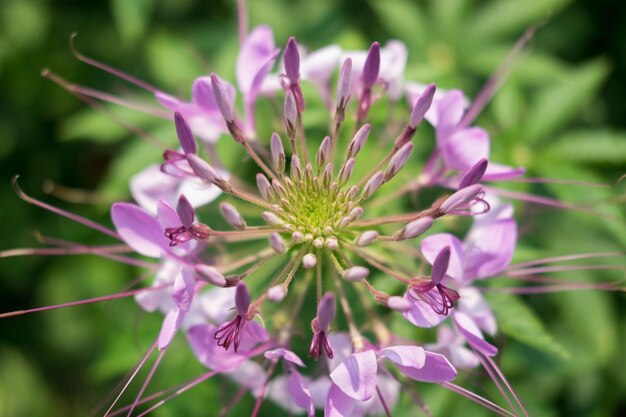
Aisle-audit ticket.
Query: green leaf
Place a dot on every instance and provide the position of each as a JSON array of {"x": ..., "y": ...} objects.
[
  {"x": 172, "y": 62},
  {"x": 402, "y": 19},
  {"x": 131, "y": 18},
  {"x": 554, "y": 106},
  {"x": 505, "y": 17},
  {"x": 592, "y": 146},
  {"x": 517, "y": 320}
]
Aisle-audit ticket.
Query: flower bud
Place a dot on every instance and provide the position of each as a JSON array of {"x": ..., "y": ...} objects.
[
  {"x": 276, "y": 294},
  {"x": 209, "y": 274},
  {"x": 296, "y": 167},
  {"x": 371, "y": 66},
  {"x": 323, "y": 151},
  {"x": 291, "y": 60},
  {"x": 398, "y": 160},
  {"x": 222, "y": 99},
  {"x": 264, "y": 186},
  {"x": 204, "y": 171},
  {"x": 373, "y": 184},
  {"x": 366, "y": 238},
  {"x": 460, "y": 198},
  {"x": 346, "y": 171},
  {"x": 414, "y": 228},
  {"x": 290, "y": 115},
  {"x": 277, "y": 153},
  {"x": 359, "y": 139},
  {"x": 355, "y": 273},
  {"x": 309, "y": 261},
  {"x": 474, "y": 174},
  {"x": 232, "y": 216},
  {"x": 277, "y": 243},
  {"x": 398, "y": 303},
  {"x": 423, "y": 103},
  {"x": 343, "y": 87},
  {"x": 272, "y": 219}
]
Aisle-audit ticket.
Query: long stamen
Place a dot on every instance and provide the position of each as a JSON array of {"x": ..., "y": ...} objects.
[
  {"x": 565, "y": 258},
  {"x": 146, "y": 382},
  {"x": 477, "y": 399},
  {"x": 106, "y": 68},
  {"x": 89, "y": 223},
  {"x": 99, "y": 95},
  {"x": 81, "y": 302},
  {"x": 130, "y": 379}
]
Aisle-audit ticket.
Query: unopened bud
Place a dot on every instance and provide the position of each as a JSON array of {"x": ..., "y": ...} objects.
[
  {"x": 332, "y": 243},
  {"x": 232, "y": 216},
  {"x": 277, "y": 243},
  {"x": 474, "y": 174},
  {"x": 355, "y": 213},
  {"x": 264, "y": 186},
  {"x": 296, "y": 167},
  {"x": 373, "y": 184},
  {"x": 323, "y": 151},
  {"x": 421, "y": 106},
  {"x": 414, "y": 228},
  {"x": 291, "y": 59},
  {"x": 242, "y": 299},
  {"x": 297, "y": 237},
  {"x": 371, "y": 66},
  {"x": 222, "y": 99},
  {"x": 460, "y": 198},
  {"x": 205, "y": 172},
  {"x": 276, "y": 294},
  {"x": 359, "y": 139},
  {"x": 272, "y": 219},
  {"x": 185, "y": 211},
  {"x": 326, "y": 311},
  {"x": 309, "y": 261},
  {"x": 355, "y": 273},
  {"x": 346, "y": 171},
  {"x": 343, "y": 90},
  {"x": 398, "y": 303},
  {"x": 277, "y": 153},
  {"x": 290, "y": 115},
  {"x": 366, "y": 238},
  {"x": 440, "y": 265},
  {"x": 209, "y": 274},
  {"x": 398, "y": 160}
]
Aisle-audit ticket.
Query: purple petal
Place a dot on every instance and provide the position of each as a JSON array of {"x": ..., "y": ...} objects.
[
  {"x": 291, "y": 60},
  {"x": 139, "y": 230},
  {"x": 203, "y": 97},
  {"x": 284, "y": 354},
  {"x": 408, "y": 356},
  {"x": 184, "y": 288},
  {"x": 440, "y": 265},
  {"x": 298, "y": 388},
  {"x": 166, "y": 215},
  {"x": 203, "y": 344},
  {"x": 171, "y": 324},
  {"x": 371, "y": 67},
  {"x": 356, "y": 376},
  {"x": 432, "y": 245},
  {"x": 448, "y": 110},
  {"x": 342, "y": 348},
  {"x": 326, "y": 311},
  {"x": 489, "y": 248},
  {"x": 150, "y": 185},
  {"x": 421, "y": 314},
  {"x": 474, "y": 305},
  {"x": 255, "y": 59},
  {"x": 436, "y": 369},
  {"x": 498, "y": 172},
  {"x": 463, "y": 148},
  {"x": 472, "y": 334},
  {"x": 338, "y": 404}
]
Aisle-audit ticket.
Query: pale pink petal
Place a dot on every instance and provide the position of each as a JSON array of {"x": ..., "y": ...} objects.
[
  {"x": 342, "y": 348},
  {"x": 166, "y": 214},
  {"x": 448, "y": 110},
  {"x": 255, "y": 59},
  {"x": 298, "y": 389},
  {"x": 184, "y": 288},
  {"x": 432, "y": 245},
  {"x": 356, "y": 376},
  {"x": 171, "y": 324},
  {"x": 436, "y": 369},
  {"x": 139, "y": 230},
  {"x": 472, "y": 334},
  {"x": 422, "y": 314},
  {"x": 463, "y": 148},
  {"x": 489, "y": 248},
  {"x": 499, "y": 172},
  {"x": 409, "y": 356},
  {"x": 150, "y": 185},
  {"x": 338, "y": 404},
  {"x": 160, "y": 299},
  {"x": 474, "y": 305},
  {"x": 284, "y": 354}
]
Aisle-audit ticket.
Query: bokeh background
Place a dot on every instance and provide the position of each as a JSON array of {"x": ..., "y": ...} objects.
[{"x": 561, "y": 114}]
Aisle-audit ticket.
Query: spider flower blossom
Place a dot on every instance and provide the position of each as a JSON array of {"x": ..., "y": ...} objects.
[{"x": 324, "y": 246}]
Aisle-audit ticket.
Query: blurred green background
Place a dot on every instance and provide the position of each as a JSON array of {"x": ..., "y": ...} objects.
[{"x": 561, "y": 114}]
